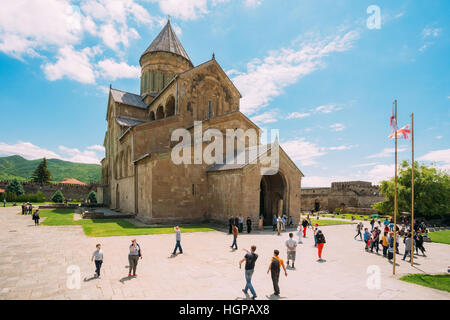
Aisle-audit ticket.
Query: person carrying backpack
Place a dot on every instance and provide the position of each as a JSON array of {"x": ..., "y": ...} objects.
[
  {"x": 274, "y": 268},
  {"x": 133, "y": 257},
  {"x": 36, "y": 217},
  {"x": 320, "y": 243}
]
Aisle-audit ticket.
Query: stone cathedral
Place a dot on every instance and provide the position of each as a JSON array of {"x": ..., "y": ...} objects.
[{"x": 138, "y": 174}]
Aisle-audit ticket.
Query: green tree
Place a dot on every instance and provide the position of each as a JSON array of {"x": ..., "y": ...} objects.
[
  {"x": 431, "y": 191},
  {"x": 41, "y": 174},
  {"x": 58, "y": 197},
  {"x": 15, "y": 187},
  {"x": 92, "y": 197}
]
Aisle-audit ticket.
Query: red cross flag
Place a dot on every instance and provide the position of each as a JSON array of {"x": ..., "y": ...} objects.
[{"x": 402, "y": 133}]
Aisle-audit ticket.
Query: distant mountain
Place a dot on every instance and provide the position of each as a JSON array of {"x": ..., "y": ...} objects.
[{"x": 22, "y": 169}]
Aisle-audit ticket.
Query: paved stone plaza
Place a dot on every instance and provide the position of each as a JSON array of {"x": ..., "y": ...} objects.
[{"x": 34, "y": 262}]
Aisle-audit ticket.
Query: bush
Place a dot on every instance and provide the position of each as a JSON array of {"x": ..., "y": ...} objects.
[
  {"x": 58, "y": 197},
  {"x": 28, "y": 197},
  {"x": 15, "y": 187},
  {"x": 92, "y": 197}
]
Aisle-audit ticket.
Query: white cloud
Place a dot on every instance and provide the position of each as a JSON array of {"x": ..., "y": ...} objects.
[
  {"x": 252, "y": 3},
  {"x": 265, "y": 79},
  {"x": 302, "y": 151},
  {"x": 297, "y": 115},
  {"x": 431, "y": 32},
  {"x": 112, "y": 70},
  {"x": 327, "y": 108},
  {"x": 29, "y": 151},
  {"x": 342, "y": 148},
  {"x": 371, "y": 164},
  {"x": 27, "y": 25},
  {"x": 387, "y": 152},
  {"x": 72, "y": 64},
  {"x": 266, "y": 117},
  {"x": 184, "y": 9},
  {"x": 337, "y": 127},
  {"x": 439, "y": 137},
  {"x": 440, "y": 158}
]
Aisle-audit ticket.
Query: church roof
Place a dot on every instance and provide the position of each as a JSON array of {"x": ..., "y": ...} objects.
[
  {"x": 128, "y": 122},
  {"x": 130, "y": 99},
  {"x": 73, "y": 181},
  {"x": 253, "y": 153},
  {"x": 167, "y": 41}
]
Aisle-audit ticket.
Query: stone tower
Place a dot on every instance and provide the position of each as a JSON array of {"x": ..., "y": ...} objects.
[{"x": 163, "y": 59}]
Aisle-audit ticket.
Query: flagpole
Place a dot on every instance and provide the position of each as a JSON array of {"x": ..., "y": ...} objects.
[
  {"x": 412, "y": 190},
  {"x": 395, "y": 193}
]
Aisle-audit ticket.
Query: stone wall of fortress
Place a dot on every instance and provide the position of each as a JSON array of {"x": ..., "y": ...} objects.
[
  {"x": 353, "y": 194},
  {"x": 70, "y": 191}
]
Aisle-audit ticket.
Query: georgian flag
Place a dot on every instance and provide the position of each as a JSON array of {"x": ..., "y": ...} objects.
[
  {"x": 402, "y": 133},
  {"x": 393, "y": 122}
]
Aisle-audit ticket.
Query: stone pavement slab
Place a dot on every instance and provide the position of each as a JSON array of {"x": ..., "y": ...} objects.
[{"x": 38, "y": 263}]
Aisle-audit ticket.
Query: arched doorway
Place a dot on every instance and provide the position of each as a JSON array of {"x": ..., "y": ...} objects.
[
  {"x": 273, "y": 197},
  {"x": 316, "y": 206}
]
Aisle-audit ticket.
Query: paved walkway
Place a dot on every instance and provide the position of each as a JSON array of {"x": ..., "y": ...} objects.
[{"x": 34, "y": 262}]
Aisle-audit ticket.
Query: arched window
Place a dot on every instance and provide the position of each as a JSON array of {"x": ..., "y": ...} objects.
[
  {"x": 152, "y": 115},
  {"x": 160, "y": 113},
  {"x": 170, "y": 107}
]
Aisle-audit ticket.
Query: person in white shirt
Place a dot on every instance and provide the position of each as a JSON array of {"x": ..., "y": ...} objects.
[
  {"x": 291, "y": 246},
  {"x": 98, "y": 256}
]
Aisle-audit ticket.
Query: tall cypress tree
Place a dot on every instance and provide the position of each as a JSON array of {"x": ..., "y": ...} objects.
[{"x": 41, "y": 174}]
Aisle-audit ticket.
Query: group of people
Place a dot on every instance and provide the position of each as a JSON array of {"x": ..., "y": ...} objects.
[
  {"x": 239, "y": 223},
  {"x": 27, "y": 208},
  {"x": 280, "y": 223},
  {"x": 385, "y": 238},
  {"x": 134, "y": 254}
]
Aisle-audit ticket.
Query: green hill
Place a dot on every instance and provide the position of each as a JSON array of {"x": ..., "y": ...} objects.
[{"x": 22, "y": 169}]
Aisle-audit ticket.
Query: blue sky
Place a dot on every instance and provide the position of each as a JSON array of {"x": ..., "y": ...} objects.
[{"x": 315, "y": 70}]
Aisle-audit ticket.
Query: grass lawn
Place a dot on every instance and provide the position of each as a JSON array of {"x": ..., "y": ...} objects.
[
  {"x": 439, "y": 281},
  {"x": 324, "y": 222},
  {"x": 108, "y": 227},
  {"x": 442, "y": 236}
]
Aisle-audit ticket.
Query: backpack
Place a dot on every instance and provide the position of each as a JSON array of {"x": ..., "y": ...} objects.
[{"x": 275, "y": 266}]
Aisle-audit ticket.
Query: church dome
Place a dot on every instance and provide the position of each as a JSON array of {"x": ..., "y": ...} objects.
[{"x": 162, "y": 61}]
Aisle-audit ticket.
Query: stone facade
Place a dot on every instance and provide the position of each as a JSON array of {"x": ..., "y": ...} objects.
[
  {"x": 354, "y": 194},
  {"x": 138, "y": 173},
  {"x": 70, "y": 191}
]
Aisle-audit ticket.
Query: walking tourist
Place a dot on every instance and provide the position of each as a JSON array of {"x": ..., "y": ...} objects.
[
  {"x": 375, "y": 239},
  {"x": 98, "y": 256},
  {"x": 372, "y": 223},
  {"x": 316, "y": 229},
  {"x": 305, "y": 227},
  {"x": 320, "y": 243},
  {"x": 250, "y": 259},
  {"x": 299, "y": 233},
  {"x": 4, "y": 203},
  {"x": 36, "y": 217},
  {"x": 230, "y": 224},
  {"x": 274, "y": 268},
  {"x": 241, "y": 224},
  {"x": 274, "y": 223},
  {"x": 249, "y": 225},
  {"x": 418, "y": 239},
  {"x": 391, "y": 246},
  {"x": 291, "y": 246},
  {"x": 367, "y": 236},
  {"x": 178, "y": 241},
  {"x": 134, "y": 255},
  {"x": 385, "y": 243},
  {"x": 291, "y": 221},
  {"x": 261, "y": 222},
  {"x": 279, "y": 225},
  {"x": 407, "y": 242},
  {"x": 30, "y": 208},
  {"x": 359, "y": 227},
  {"x": 235, "y": 235},
  {"x": 23, "y": 208}
]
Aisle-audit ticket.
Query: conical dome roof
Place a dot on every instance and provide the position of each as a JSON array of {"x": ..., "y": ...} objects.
[{"x": 167, "y": 41}]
